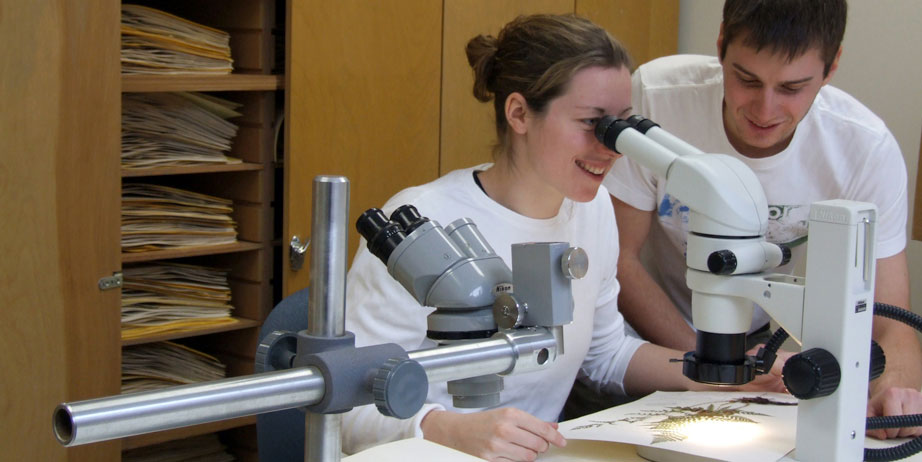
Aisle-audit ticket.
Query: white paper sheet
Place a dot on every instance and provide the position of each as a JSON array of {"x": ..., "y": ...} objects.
[
  {"x": 411, "y": 449},
  {"x": 733, "y": 426}
]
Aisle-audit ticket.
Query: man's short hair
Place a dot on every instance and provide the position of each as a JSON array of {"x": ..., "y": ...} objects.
[{"x": 789, "y": 27}]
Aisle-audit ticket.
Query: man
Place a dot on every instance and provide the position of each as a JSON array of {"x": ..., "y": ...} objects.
[{"x": 766, "y": 101}]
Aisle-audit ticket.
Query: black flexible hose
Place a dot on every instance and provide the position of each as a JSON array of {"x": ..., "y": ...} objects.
[
  {"x": 914, "y": 445},
  {"x": 899, "y": 314},
  {"x": 776, "y": 340}
]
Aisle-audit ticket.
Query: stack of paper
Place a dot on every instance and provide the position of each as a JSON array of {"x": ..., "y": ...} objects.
[
  {"x": 155, "y": 42},
  {"x": 173, "y": 297},
  {"x": 165, "y": 364},
  {"x": 171, "y": 129},
  {"x": 204, "y": 448},
  {"x": 159, "y": 217}
]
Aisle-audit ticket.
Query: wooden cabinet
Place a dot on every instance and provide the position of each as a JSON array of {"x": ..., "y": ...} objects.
[{"x": 61, "y": 177}]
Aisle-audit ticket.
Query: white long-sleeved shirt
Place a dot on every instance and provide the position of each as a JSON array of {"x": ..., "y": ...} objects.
[{"x": 379, "y": 310}]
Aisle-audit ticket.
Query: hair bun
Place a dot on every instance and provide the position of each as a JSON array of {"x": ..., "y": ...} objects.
[{"x": 481, "y": 55}]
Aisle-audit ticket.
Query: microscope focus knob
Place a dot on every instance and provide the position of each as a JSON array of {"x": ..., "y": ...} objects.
[
  {"x": 811, "y": 374},
  {"x": 400, "y": 388},
  {"x": 722, "y": 262},
  {"x": 574, "y": 263}
]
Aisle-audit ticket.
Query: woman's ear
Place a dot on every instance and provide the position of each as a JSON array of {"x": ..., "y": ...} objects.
[{"x": 516, "y": 112}]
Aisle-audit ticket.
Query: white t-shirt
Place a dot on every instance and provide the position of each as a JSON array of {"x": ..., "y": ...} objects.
[
  {"x": 379, "y": 310},
  {"x": 840, "y": 150}
]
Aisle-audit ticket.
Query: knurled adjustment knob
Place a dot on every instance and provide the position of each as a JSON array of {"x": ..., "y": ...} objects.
[
  {"x": 722, "y": 262},
  {"x": 878, "y": 361},
  {"x": 400, "y": 388},
  {"x": 276, "y": 351},
  {"x": 574, "y": 263},
  {"x": 811, "y": 374}
]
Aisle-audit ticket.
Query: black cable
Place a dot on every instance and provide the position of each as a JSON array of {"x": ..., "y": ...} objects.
[
  {"x": 914, "y": 445},
  {"x": 894, "y": 421},
  {"x": 899, "y": 314},
  {"x": 901, "y": 451},
  {"x": 776, "y": 340}
]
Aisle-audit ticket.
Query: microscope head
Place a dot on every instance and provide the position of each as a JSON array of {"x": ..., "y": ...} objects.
[
  {"x": 727, "y": 222},
  {"x": 473, "y": 291}
]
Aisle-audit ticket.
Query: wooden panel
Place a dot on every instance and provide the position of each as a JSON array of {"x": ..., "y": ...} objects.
[
  {"x": 648, "y": 29},
  {"x": 917, "y": 214},
  {"x": 238, "y": 82},
  {"x": 190, "y": 169},
  {"x": 239, "y": 246},
  {"x": 363, "y": 101},
  {"x": 468, "y": 130},
  {"x": 59, "y": 232}
]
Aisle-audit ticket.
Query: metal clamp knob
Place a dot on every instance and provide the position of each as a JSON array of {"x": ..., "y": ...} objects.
[
  {"x": 508, "y": 312},
  {"x": 574, "y": 263},
  {"x": 400, "y": 388}
]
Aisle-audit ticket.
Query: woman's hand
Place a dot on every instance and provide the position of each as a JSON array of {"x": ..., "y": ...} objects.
[{"x": 505, "y": 434}]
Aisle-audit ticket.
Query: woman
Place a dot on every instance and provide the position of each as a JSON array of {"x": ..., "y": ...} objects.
[{"x": 551, "y": 79}]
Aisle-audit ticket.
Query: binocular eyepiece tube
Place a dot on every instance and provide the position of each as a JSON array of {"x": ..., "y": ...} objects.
[{"x": 383, "y": 234}]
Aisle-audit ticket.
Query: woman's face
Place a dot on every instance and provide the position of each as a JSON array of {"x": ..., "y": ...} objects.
[{"x": 560, "y": 145}]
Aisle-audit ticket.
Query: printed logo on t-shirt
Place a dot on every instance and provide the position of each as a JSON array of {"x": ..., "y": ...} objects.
[{"x": 787, "y": 224}]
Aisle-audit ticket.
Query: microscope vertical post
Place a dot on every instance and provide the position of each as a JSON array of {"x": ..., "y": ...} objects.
[
  {"x": 326, "y": 315},
  {"x": 838, "y": 311}
]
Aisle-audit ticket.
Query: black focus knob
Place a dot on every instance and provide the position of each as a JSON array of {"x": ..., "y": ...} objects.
[
  {"x": 878, "y": 361},
  {"x": 722, "y": 262},
  {"x": 811, "y": 374}
]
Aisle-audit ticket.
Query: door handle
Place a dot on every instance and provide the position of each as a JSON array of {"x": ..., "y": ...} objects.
[{"x": 296, "y": 251}]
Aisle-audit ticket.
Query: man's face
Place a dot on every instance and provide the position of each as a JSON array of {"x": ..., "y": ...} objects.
[{"x": 766, "y": 95}]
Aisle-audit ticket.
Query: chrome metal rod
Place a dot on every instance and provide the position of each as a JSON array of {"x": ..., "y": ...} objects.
[
  {"x": 326, "y": 316},
  {"x": 460, "y": 361},
  {"x": 327, "y": 313},
  {"x": 121, "y": 416},
  {"x": 510, "y": 351}
]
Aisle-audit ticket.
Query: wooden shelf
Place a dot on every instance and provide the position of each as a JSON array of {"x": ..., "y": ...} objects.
[
  {"x": 137, "y": 83},
  {"x": 239, "y": 246},
  {"x": 185, "y": 432},
  {"x": 242, "y": 323},
  {"x": 190, "y": 169}
]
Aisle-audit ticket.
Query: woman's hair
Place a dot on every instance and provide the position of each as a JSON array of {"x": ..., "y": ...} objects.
[{"x": 537, "y": 56}]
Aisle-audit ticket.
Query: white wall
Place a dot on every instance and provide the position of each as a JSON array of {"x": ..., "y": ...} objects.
[{"x": 881, "y": 65}]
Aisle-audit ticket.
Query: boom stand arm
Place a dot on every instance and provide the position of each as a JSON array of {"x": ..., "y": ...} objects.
[{"x": 312, "y": 384}]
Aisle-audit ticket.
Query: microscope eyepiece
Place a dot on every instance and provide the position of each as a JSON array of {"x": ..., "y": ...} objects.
[
  {"x": 408, "y": 218},
  {"x": 641, "y": 123},
  {"x": 383, "y": 235},
  {"x": 608, "y": 129}
]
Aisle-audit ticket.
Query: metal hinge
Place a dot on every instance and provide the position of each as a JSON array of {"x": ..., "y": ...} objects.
[{"x": 111, "y": 282}]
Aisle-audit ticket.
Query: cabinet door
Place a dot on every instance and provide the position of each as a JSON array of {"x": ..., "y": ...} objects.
[
  {"x": 647, "y": 29},
  {"x": 59, "y": 219},
  {"x": 468, "y": 130},
  {"x": 363, "y": 102}
]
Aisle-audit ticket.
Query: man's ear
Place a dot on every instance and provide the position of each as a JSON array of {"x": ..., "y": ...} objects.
[
  {"x": 720, "y": 43},
  {"x": 516, "y": 111},
  {"x": 833, "y": 67}
]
